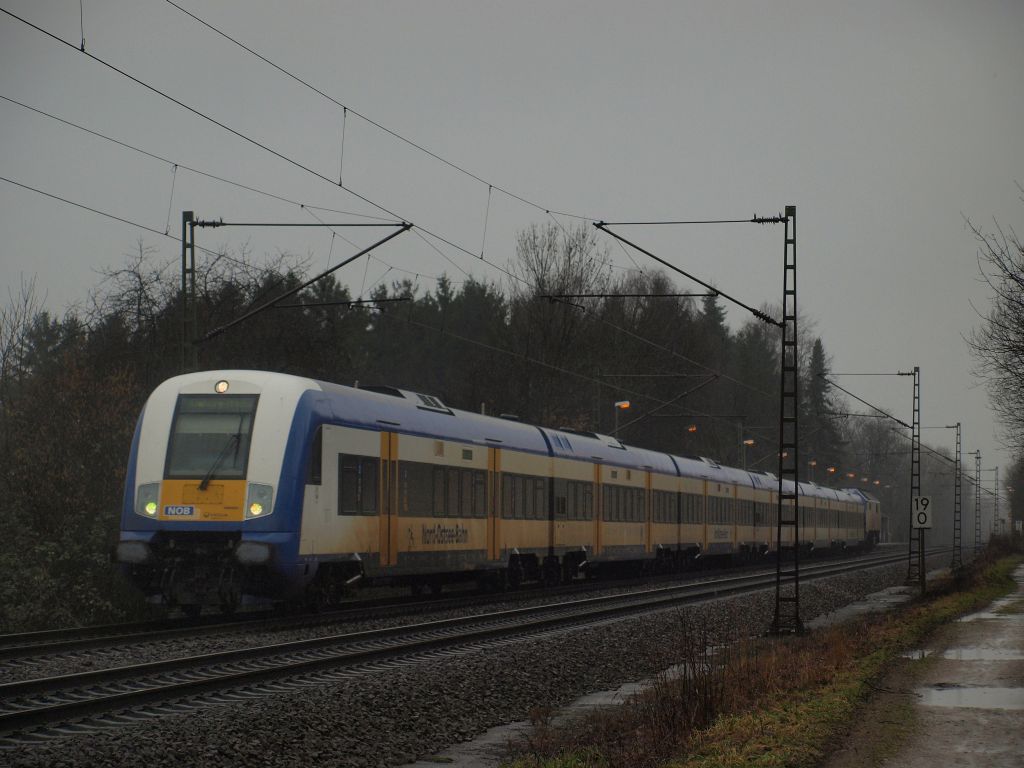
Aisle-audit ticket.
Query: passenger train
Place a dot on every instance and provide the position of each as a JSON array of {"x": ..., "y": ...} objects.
[{"x": 249, "y": 486}]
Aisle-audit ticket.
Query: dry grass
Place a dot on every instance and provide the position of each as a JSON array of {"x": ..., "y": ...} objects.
[{"x": 709, "y": 683}]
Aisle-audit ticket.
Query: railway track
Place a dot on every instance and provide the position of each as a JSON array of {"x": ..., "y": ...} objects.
[
  {"x": 40, "y": 709},
  {"x": 21, "y": 647}
]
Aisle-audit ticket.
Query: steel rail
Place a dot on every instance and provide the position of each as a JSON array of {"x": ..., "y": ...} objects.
[
  {"x": 238, "y": 668},
  {"x": 75, "y": 639}
]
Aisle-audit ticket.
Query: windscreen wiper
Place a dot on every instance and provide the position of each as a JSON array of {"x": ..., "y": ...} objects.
[{"x": 234, "y": 440}]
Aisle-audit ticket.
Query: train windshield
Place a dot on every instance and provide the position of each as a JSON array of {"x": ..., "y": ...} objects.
[{"x": 210, "y": 436}]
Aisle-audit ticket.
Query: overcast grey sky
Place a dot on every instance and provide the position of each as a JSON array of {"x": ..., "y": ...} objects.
[{"x": 884, "y": 123}]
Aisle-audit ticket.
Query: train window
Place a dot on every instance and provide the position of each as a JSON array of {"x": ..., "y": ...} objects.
[
  {"x": 315, "y": 474},
  {"x": 513, "y": 508},
  {"x": 416, "y": 489},
  {"x": 210, "y": 436},
  {"x": 506, "y": 497},
  {"x": 540, "y": 499},
  {"x": 357, "y": 485},
  {"x": 760, "y": 513},
  {"x": 588, "y": 501},
  {"x": 440, "y": 496},
  {"x": 466, "y": 494},
  {"x": 479, "y": 493},
  {"x": 748, "y": 512},
  {"x": 452, "y": 508},
  {"x": 524, "y": 507},
  {"x": 510, "y": 490}
]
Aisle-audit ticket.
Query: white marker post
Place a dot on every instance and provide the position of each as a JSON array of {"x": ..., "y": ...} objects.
[{"x": 921, "y": 520}]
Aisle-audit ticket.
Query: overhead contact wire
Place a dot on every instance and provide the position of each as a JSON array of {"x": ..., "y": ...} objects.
[
  {"x": 252, "y": 141},
  {"x": 363, "y": 117}
]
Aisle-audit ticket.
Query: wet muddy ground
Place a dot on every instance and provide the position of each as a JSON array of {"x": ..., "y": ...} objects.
[{"x": 959, "y": 703}]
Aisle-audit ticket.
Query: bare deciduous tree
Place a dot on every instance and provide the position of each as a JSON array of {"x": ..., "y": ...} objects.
[{"x": 998, "y": 345}]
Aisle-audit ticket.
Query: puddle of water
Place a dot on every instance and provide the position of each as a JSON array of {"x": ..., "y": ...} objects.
[
  {"x": 993, "y": 610},
  {"x": 983, "y": 654},
  {"x": 1005, "y": 609},
  {"x": 973, "y": 697},
  {"x": 916, "y": 654}
]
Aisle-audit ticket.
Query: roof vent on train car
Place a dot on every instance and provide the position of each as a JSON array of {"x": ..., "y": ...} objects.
[
  {"x": 382, "y": 389},
  {"x": 611, "y": 442},
  {"x": 509, "y": 416},
  {"x": 581, "y": 432},
  {"x": 710, "y": 462},
  {"x": 429, "y": 403}
]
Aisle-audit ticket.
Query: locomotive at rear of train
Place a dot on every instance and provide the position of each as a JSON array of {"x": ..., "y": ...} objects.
[{"x": 250, "y": 486}]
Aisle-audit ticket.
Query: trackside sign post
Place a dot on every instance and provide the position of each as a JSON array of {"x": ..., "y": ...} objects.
[{"x": 921, "y": 512}]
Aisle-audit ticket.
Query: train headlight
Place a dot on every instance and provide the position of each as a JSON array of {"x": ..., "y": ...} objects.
[
  {"x": 147, "y": 500},
  {"x": 260, "y": 500}
]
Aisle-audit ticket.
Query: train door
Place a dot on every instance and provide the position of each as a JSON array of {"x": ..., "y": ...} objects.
[
  {"x": 494, "y": 504},
  {"x": 388, "y": 498}
]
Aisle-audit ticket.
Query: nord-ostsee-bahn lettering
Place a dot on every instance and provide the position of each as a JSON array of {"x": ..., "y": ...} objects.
[
  {"x": 443, "y": 534},
  {"x": 250, "y": 486}
]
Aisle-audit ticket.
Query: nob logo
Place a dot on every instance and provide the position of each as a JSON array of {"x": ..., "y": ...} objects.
[{"x": 179, "y": 511}]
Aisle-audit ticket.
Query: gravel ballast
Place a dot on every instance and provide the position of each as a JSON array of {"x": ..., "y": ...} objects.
[{"x": 392, "y": 715}]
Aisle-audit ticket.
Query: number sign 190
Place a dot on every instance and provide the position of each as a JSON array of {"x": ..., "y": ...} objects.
[{"x": 921, "y": 512}]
